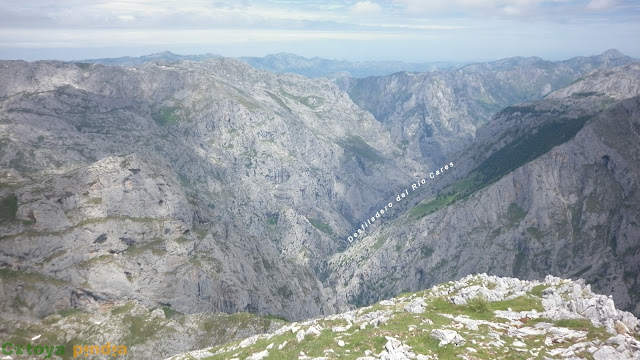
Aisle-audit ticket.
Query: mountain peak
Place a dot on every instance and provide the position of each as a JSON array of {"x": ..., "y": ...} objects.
[
  {"x": 613, "y": 53},
  {"x": 162, "y": 53}
]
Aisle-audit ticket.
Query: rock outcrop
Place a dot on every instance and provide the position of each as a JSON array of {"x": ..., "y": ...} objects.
[
  {"x": 147, "y": 333},
  {"x": 502, "y": 316}
]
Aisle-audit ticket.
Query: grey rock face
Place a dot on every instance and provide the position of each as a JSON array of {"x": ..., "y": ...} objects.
[
  {"x": 571, "y": 211},
  {"x": 433, "y": 115},
  {"x": 207, "y": 186},
  {"x": 123, "y": 228},
  {"x": 212, "y": 186}
]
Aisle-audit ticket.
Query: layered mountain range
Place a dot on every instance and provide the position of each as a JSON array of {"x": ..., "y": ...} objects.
[
  {"x": 291, "y": 63},
  {"x": 211, "y": 186}
]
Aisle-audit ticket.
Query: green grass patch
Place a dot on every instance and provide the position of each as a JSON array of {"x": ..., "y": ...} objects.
[
  {"x": 450, "y": 194},
  {"x": 82, "y": 223},
  {"x": 528, "y": 147},
  {"x": 538, "y": 289},
  {"x": 95, "y": 201},
  {"x": 70, "y": 312},
  {"x": 585, "y": 94},
  {"x": 535, "y": 232},
  {"x": 325, "y": 228},
  {"x": 123, "y": 309},
  {"x": 166, "y": 115},
  {"x": 479, "y": 305},
  {"x": 425, "y": 208},
  {"x": 575, "y": 324},
  {"x": 200, "y": 232},
  {"x": 94, "y": 260},
  {"x": 8, "y": 186},
  {"x": 380, "y": 240},
  {"x": 155, "y": 246},
  {"x": 355, "y": 145},
  {"x": 8, "y": 208},
  {"x": 584, "y": 325},
  {"x": 29, "y": 277},
  {"x": 510, "y": 157},
  {"x": 18, "y": 303},
  {"x": 140, "y": 329},
  {"x": 182, "y": 240},
  {"x": 522, "y": 303},
  {"x": 273, "y": 220},
  {"x": 310, "y": 101},
  {"x": 284, "y": 292},
  {"x": 442, "y": 305},
  {"x": 279, "y": 101},
  {"x": 482, "y": 309},
  {"x": 195, "y": 261},
  {"x": 426, "y": 251},
  {"x": 515, "y": 214},
  {"x": 53, "y": 256},
  {"x": 169, "y": 312}
]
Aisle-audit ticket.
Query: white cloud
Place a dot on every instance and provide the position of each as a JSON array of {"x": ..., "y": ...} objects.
[
  {"x": 601, "y": 4},
  {"x": 418, "y": 26},
  {"x": 366, "y": 7},
  {"x": 456, "y": 29},
  {"x": 31, "y": 38},
  {"x": 482, "y": 8},
  {"x": 126, "y": 17}
]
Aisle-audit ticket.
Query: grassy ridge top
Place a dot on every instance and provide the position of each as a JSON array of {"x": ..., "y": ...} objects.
[{"x": 478, "y": 317}]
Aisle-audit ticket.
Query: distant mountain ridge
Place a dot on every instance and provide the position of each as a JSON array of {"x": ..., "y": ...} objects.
[
  {"x": 323, "y": 67},
  {"x": 292, "y": 63},
  {"x": 319, "y": 67},
  {"x": 139, "y": 60}
]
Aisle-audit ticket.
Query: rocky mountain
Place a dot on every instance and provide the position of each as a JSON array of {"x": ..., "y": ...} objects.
[
  {"x": 549, "y": 186},
  {"x": 139, "y": 60},
  {"x": 206, "y": 186},
  {"x": 478, "y": 317},
  {"x": 157, "y": 196},
  {"x": 291, "y": 63},
  {"x": 319, "y": 67},
  {"x": 433, "y": 115}
]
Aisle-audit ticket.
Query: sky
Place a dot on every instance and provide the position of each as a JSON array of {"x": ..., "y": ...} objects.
[{"x": 405, "y": 30}]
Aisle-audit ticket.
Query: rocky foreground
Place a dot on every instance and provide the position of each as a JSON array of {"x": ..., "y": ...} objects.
[{"x": 477, "y": 317}]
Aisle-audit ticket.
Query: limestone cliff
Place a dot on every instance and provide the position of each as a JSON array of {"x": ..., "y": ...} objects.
[
  {"x": 550, "y": 186},
  {"x": 200, "y": 185}
]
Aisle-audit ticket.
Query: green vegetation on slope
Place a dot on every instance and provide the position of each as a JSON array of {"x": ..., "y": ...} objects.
[
  {"x": 414, "y": 330},
  {"x": 279, "y": 101},
  {"x": 325, "y": 228},
  {"x": 355, "y": 145},
  {"x": 8, "y": 208},
  {"x": 166, "y": 115},
  {"x": 513, "y": 155}
]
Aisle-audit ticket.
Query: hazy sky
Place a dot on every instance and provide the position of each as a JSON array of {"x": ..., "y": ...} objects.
[{"x": 409, "y": 30}]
